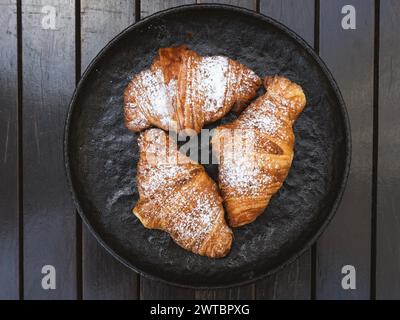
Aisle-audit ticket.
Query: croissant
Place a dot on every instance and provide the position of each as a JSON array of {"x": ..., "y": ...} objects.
[
  {"x": 182, "y": 91},
  {"x": 177, "y": 196},
  {"x": 256, "y": 150}
]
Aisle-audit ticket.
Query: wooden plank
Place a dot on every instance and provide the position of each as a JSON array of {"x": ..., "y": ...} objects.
[
  {"x": 388, "y": 202},
  {"x": 156, "y": 290},
  {"x": 298, "y": 15},
  {"x": 148, "y": 7},
  {"x": 249, "y": 4},
  {"x": 103, "y": 276},
  {"x": 293, "y": 282},
  {"x": 151, "y": 289},
  {"x": 246, "y": 291},
  {"x": 9, "y": 262},
  {"x": 350, "y": 56},
  {"x": 48, "y": 83}
]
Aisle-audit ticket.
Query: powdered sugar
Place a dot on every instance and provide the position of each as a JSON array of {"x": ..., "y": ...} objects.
[
  {"x": 157, "y": 98},
  {"x": 212, "y": 76},
  {"x": 265, "y": 124},
  {"x": 241, "y": 169},
  {"x": 265, "y": 117},
  {"x": 161, "y": 176},
  {"x": 250, "y": 171},
  {"x": 134, "y": 116},
  {"x": 200, "y": 90},
  {"x": 197, "y": 224},
  {"x": 189, "y": 207}
]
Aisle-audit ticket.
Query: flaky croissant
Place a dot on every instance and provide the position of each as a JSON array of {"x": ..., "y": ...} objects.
[
  {"x": 183, "y": 91},
  {"x": 256, "y": 150},
  {"x": 177, "y": 196}
]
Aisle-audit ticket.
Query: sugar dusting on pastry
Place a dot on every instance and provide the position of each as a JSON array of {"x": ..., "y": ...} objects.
[
  {"x": 242, "y": 172},
  {"x": 199, "y": 91},
  {"x": 162, "y": 176},
  {"x": 240, "y": 164},
  {"x": 157, "y": 97},
  {"x": 196, "y": 225},
  {"x": 179, "y": 198},
  {"x": 212, "y": 75},
  {"x": 136, "y": 117},
  {"x": 248, "y": 181}
]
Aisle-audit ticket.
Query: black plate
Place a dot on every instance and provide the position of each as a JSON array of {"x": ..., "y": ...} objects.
[{"x": 101, "y": 155}]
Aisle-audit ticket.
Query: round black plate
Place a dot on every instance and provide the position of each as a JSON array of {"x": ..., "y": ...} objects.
[{"x": 101, "y": 155}]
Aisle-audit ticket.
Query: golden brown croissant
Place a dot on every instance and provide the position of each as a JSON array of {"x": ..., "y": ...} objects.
[
  {"x": 256, "y": 150},
  {"x": 177, "y": 196},
  {"x": 183, "y": 91}
]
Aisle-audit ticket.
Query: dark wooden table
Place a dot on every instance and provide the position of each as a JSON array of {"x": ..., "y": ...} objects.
[{"x": 39, "y": 226}]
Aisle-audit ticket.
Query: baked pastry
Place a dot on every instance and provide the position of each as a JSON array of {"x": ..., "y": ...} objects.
[
  {"x": 177, "y": 196},
  {"x": 182, "y": 91},
  {"x": 256, "y": 150}
]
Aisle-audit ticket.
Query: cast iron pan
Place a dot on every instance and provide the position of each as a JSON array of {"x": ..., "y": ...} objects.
[{"x": 101, "y": 155}]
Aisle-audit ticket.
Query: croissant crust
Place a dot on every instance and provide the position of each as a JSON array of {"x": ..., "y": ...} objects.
[
  {"x": 183, "y": 91},
  {"x": 256, "y": 150},
  {"x": 177, "y": 196}
]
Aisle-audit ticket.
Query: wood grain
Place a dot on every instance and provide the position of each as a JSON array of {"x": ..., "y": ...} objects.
[
  {"x": 293, "y": 282},
  {"x": 388, "y": 201},
  {"x": 246, "y": 292},
  {"x": 103, "y": 276},
  {"x": 48, "y": 83},
  {"x": 9, "y": 262},
  {"x": 298, "y": 15},
  {"x": 350, "y": 56},
  {"x": 156, "y": 290},
  {"x": 249, "y": 4},
  {"x": 152, "y": 6}
]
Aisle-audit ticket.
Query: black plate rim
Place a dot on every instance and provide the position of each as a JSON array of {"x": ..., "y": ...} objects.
[{"x": 304, "y": 45}]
